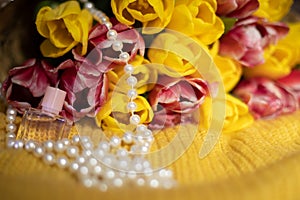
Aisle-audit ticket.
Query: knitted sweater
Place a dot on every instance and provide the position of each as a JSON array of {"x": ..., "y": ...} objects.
[{"x": 259, "y": 162}]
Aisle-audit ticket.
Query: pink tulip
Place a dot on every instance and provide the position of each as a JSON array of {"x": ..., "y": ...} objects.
[
  {"x": 131, "y": 39},
  {"x": 266, "y": 98},
  {"x": 236, "y": 8},
  {"x": 164, "y": 118},
  {"x": 292, "y": 82},
  {"x": 26, "y": 84},
  {"x": 86, "y": 88},
  {"x": 179, "y": 95},
  {"x": 247, "y": 39}
]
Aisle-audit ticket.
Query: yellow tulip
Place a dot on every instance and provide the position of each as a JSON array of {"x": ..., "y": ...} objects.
[
  {"x": 237, "y": 114},
  {"x": 114, "y": 115},
  {"x": 292, "y": 42},
  {"x": 273, "y": 10},
  {"x": 276, "y": 65},
  {"x": 197, "y": 18},
  {"x": 174, "y": 64},
  {"x": 230, "y": 69},
  {"x": 146, "y": 75},
  {"x": 64, "y": 27},
  {"x": 151, "y": 13}
]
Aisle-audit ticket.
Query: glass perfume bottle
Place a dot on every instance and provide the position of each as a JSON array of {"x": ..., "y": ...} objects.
[{"x": 45, "y": 124}]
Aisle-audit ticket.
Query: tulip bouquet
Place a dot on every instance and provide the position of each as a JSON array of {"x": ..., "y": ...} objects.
[{"x": 255, "y": 52}]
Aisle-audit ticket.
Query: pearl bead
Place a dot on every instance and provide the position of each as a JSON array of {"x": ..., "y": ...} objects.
[
  {"x": 10, "y": 135},
  {"x": 154, "y": 183},
  {"x": 118, "y": 182},
  {"x": 10, "y": 118},
  {"x": 147, "y": 143},
  {"x": 49, "y": 145},
  {"x": 11, "y": 111},
  {"x": 168, "y": 173},
  {"x": 138, "y": 167},
  {"x": 131, "y": 80},
  {"x": 131, "y": 106},
  {"x": 103, "y": 19},
  {"x": 49, "y": 158},
  {"x": 127, "y": 138},
  {"x": 18, "y": 144},
  {"x": 99, "y": 153},
  {"x": 87, "y": 145},
  {"x": 124, "y": 56},
  {"x": 80, "y": 159},
  {"x": 85, "y": 139},
  {"x": 141, "y": 128},
  {"x": 84, "y": 170},
  {"x": 132, "y": 93},
  {"x": 144, "y": 149},
  {"x": 39, "y": 151},
  {"x": 148, "y": 133},
  {"x": 129, "y": 68},
  {"x": 29, "y": 146},
  {"x": 62, "y": 161},
  {"x": 74, "y": 166},
  {"x": 140, "y": 182},
  {"x": 108, "y": 25},
  {"x": 104, "y": 145},
  {"x": 122, "y": 152},
  {"x": 123, "y": 163},
  {"x": 92, "y": 162},
  {"x": 134, "y": 149},
  {"x": 110, "y": 174},
  {"x": 108, "y": 160},
  {"x": 10, "y": 143},
  {"x": 111, "y": 34},
  {"x": 11, "y": 127},
  {"x": 97, "y": 170},
  {"x": 76, "y": 139},
  {"x": 115, "y": 141},
  {"x": 72, "y": 151},
  {"x": 117, "y": 45},
  {"x": 135, "y": 119},
  {"x": 99, "y": 14},
  {"x": 88, "y": 5},
  {"x": 139, "y": 138},
  {"x": 66, "y": 141},
  {"x": 88, "y": 182},
  {"x": 59, "y": 146},
  {"x": 87, "y": 153}
]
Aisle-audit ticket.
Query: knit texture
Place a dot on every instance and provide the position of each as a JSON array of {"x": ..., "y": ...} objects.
[{"x": 259, "y": 162}]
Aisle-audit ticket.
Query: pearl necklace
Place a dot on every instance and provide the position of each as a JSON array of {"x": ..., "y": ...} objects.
[
  {"x": 107, "y": 164},
  {"x": 93, "y": 166}
]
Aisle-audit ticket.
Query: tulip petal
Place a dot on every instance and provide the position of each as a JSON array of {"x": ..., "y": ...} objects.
[
  {"x": 41, "y": 26},
  {"x": 59, "y": 35},
  {"x": 49, "y": 50}
]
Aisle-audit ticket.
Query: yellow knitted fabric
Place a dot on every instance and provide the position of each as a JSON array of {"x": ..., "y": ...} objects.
[{"x": 259, "y": 162}]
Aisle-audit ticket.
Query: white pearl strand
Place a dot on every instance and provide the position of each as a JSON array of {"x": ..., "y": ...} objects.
[
  {"x": 108, "y": 164},
  {"x": 142, "y": 137},
  {"x": 103, "y": 166}
]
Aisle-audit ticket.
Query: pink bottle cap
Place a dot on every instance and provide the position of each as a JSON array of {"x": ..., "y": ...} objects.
[{"x": 53, "y": 100}]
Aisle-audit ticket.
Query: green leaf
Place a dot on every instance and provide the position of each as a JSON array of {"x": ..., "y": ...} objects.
[{"x": 228, "y": 22}]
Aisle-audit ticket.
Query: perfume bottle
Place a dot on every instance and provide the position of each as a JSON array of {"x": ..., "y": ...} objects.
[{"x": 45, "y": 124}]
